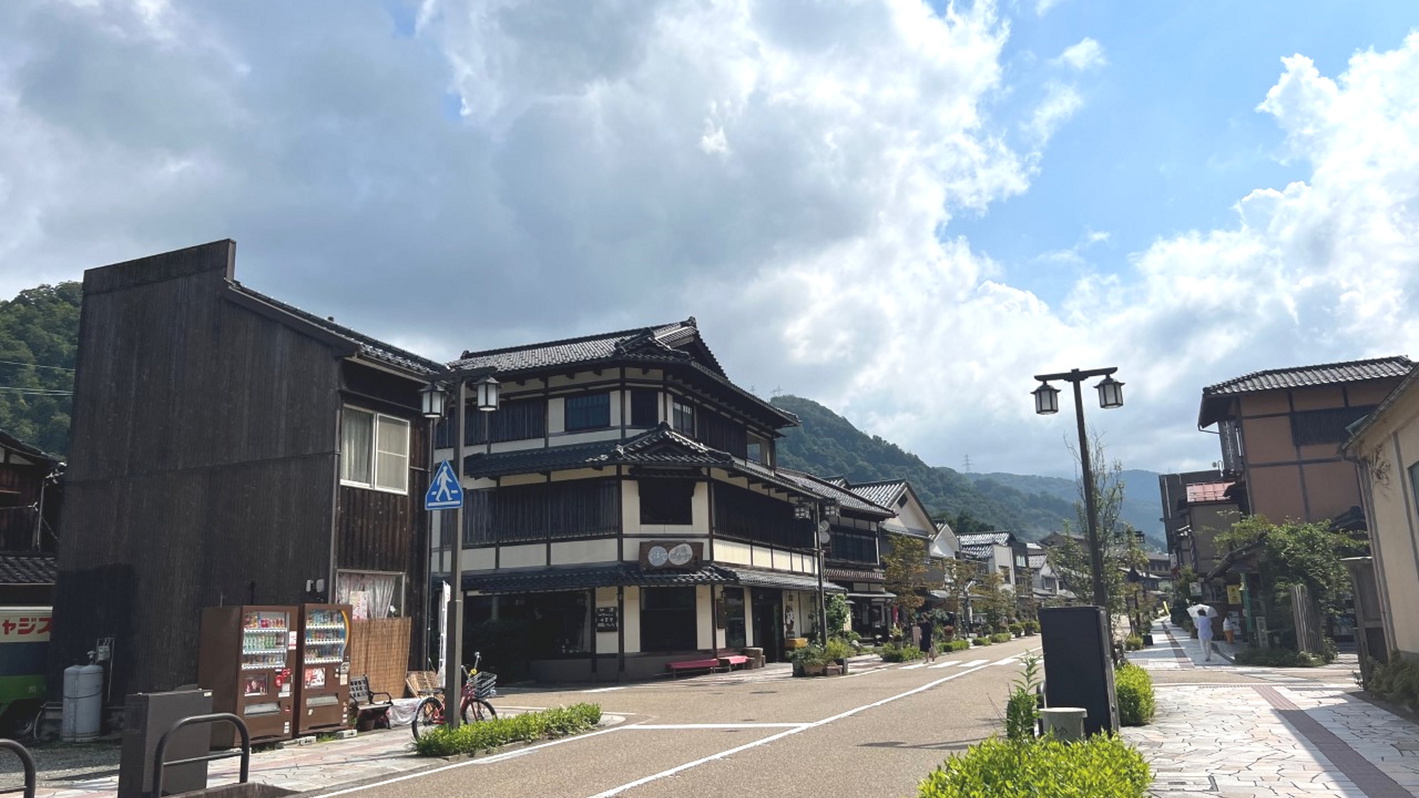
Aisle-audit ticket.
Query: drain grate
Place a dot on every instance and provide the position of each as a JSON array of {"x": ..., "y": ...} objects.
[{"x": 1171, "y": 784}]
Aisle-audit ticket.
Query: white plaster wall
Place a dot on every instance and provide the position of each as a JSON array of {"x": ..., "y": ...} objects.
[
  {"x": 632, "y": 620},
  {"x": 575, "y": 552},
  {"x": 524, "y": 556},
  {"x": 704, "y": 618},
  {"x": 606, "y": 642},
  {"x": 479, "y": 560},
  {"x": 733, "y": 552}
]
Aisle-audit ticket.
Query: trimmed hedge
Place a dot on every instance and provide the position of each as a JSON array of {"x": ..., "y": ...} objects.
[
  {"x": 486, "y": 735},
  {"x": 1101, "y": 766},
  {"x": 1032, "y": 627},
  {"x": 1396, "y": 681},
  {"x": 1278, "y": 658},
  {"x": 958, "y": 645},
  {"x": 1133, "y": 643},
  {"x": 1133, "y": 687},
  {"x": 1001, "y": 637},
  {"x": 905, "y": 652},
  {"x": 980, "y": 641}
]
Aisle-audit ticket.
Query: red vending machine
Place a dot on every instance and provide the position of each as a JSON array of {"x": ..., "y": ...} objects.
[
  {"x": 323, "y": 686},
  {"x": 247, "y": 658}
]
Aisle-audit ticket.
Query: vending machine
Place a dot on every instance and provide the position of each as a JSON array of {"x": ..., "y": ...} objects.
[
  {"x": 323, "y": 686},
  {"x": 246, "y": 658}
]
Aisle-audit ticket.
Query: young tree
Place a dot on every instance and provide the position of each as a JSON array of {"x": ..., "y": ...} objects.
[{"x": 904, "y": 571}]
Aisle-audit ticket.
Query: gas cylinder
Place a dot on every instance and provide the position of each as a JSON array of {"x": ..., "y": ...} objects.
[{"x": 83, "y": 702}]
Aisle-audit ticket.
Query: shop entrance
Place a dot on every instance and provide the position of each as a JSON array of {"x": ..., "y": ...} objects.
[{"x": 767, "y": 610}]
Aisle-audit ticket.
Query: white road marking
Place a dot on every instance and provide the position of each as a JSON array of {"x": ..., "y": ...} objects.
[
  {"x": 604, "y": 689},
  {"x": 1007, "y": 661},
  {"x": 773, "y": 737},
  {"x": 974, "y": 663},
  {"x": 694, "y": 726},
  {"x": 912, "y": 667}
]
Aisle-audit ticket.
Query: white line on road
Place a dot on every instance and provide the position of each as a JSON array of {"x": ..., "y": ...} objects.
[
  {"x": 694, "y": 726},
  {"x": 604, "y": 689},
  {"x": 774, "y": 737},
  {"x": 1007, "y": 661},
  {"x": 912, "y": 667},
  {"x": 974, "y": 663}
]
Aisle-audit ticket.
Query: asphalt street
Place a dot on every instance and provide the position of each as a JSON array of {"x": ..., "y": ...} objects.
[{"x": 871, "y": 733}]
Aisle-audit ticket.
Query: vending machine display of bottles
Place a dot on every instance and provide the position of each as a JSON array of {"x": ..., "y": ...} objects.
[
  {"x": 323, "y": 689},
  {"x": 247, "y": 658}
]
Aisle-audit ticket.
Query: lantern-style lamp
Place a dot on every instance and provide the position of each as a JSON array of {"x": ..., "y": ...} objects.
[
  {"x": 1046, "y": 399},
  {"x": 431, "y": 399},
  {"x": 1110, "y": 393},
  {"x": 487, "y": 393}
]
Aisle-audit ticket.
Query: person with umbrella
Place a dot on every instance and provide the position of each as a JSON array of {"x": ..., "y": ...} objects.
[{"x": 1204, "y": 630}]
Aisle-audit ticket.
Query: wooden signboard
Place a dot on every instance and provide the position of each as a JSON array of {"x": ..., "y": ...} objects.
[{"x": 606, "y": 619}]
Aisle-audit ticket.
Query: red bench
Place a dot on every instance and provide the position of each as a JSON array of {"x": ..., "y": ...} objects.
[
  {"x": 732, "y": 660},
  {"x": 710, "y": 665}
]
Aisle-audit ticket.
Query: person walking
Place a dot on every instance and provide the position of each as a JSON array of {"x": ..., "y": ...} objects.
[
  {"x": 1204, "y": 634},
  {"x": 1229, "y": 628},
  {"x": 927, "y": 647}
]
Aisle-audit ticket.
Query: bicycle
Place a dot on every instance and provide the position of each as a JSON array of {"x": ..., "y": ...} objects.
[{"x": 478, "y": 687}]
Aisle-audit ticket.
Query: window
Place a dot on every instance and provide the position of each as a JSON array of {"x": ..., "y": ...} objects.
[
  {"x": 683, "y": 418},
  {"x": 370, "y": 594},
  {"x": 666, "y": 501},
  {"x": 645, "y": 411},
  {"x": 521, "y": 420},
  {"x": 1325, "y": 426},
  {"x": 588, "y": 411},
  {"x": 668, "y": 619},
  {"x": 374, "y": 451}
]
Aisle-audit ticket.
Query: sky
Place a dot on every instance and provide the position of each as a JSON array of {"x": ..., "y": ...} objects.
[{"x": 901, "y": 210}]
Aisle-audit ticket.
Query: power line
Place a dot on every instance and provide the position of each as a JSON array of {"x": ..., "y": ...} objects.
[
  {"x": 34, "y": 365},
  {"x": 37, "y": 391}
]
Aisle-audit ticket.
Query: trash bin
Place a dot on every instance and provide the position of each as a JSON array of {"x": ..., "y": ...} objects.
[{"x": 146, "y": 716}]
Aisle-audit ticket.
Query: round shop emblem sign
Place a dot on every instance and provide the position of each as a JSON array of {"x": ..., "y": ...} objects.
[
  {"x": 681, "y": 554},
  {"x": 657, "y": 556}
]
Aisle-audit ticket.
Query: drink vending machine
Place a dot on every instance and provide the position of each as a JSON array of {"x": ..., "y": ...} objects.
[
  {"x": 246, "y": 657},
  {"x": 323, "y": 689}
]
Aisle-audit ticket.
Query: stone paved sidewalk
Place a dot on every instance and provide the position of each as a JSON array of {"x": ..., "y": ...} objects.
[{"x": 1274, "y": 735}]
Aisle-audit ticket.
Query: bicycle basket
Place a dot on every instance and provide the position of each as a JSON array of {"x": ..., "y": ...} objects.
[{"x": 485, "y": 685}]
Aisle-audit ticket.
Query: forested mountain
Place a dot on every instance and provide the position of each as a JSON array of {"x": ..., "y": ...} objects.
[
  {"x": 829, "y": 445},
  {"x": 1140, "y": 494},
  {"x": 39, "y": 335}
]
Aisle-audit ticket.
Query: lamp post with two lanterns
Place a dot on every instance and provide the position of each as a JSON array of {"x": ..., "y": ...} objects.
[
  {"x": 1110, "y": 396},
  {"x": 819, "y": 512},
  {"x": 433, "y": 400}
]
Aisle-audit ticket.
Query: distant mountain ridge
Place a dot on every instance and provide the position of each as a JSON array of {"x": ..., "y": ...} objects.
[{"x": 1031, "y": 506}]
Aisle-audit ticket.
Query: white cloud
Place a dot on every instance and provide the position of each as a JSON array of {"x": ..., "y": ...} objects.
[
  {"x": 1043, "y": 7},
  {"x": 1087, "y": 54},
  {"x": 1061, "y": 102}
]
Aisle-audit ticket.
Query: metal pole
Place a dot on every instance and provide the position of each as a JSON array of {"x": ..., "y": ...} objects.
[
  {"x": 1091, "y": 510},
  {"x": 453, "y": 667},
  {"x": 822, "y": 604}
]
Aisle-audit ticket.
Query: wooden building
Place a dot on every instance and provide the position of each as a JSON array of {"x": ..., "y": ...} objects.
[
  {"x": 227, "y": 448},
  {"x": 625, "y": 511},
  {"x": 30, "y": 492}
]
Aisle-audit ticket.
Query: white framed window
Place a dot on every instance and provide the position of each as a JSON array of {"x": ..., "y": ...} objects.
[
  {"x": 374, "y": 451},
  {"x": 370, "y": 594}
]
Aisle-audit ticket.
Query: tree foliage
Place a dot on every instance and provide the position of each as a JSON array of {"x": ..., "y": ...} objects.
[
  {"x": 39, "y": 334},
  {"x": 904, "y": 571}
]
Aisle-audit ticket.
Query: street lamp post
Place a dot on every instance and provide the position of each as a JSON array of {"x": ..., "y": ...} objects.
[
  {"x": 432, "y": 401},
  {"x": 487, "y": 398},
  {"x": 1110, "y": 396},
  {"x": 818, "y": 513}
]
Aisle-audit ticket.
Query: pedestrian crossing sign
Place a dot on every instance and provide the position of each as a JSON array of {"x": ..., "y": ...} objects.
[{"x": 444, "y": 491}]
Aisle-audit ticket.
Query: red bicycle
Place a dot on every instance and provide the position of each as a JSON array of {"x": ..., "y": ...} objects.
[{"x": 478, "y": 687}]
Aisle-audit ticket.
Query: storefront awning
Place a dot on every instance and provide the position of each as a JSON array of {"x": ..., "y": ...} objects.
[{"x": 883, "y": 595}]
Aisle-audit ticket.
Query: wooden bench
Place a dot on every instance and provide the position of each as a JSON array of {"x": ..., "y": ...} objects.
[
  {"x": 731, "y": 660},
  {"x": 371, "y": 708},
  {"x": 711, "y": 665}
]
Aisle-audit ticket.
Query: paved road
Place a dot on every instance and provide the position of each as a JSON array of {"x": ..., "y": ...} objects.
[{"x": 871, "y": 733}]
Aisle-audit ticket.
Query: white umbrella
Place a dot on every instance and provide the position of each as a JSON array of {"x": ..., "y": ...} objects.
[{"x": 1207, "y": 608}]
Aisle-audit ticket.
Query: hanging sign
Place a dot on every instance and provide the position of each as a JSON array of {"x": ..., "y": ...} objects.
[{"x": 607, "y": 619}]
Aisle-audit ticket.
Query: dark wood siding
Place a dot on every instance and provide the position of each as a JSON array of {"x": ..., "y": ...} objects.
[{"x": 203, "y": 456}]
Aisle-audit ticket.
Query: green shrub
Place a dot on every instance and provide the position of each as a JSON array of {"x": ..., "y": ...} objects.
[
  {"x": 980, "y": 641},
  {"x": 1022, "y": 710},
  {"x": 1133, "y": 643},
  {"x": 1017, "y": 629},
  {"x": 1101, "y": 766},
  {"x": 486, "y": 735},
  {"x": 1278, "y": 658},
  {"x": 894, "y": 652},
  {"x": 960, "y": 645},
  {"x": 1001, "y": 637},
  {"x": 1032, "y": 627},
  {"x": 1133, "y": 687},
  {"x": 1396, "y": 681}
]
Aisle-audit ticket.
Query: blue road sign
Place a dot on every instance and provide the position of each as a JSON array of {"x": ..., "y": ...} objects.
[{"x": 444, "y": 491}]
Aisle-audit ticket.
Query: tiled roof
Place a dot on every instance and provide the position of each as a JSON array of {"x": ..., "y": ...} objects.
[
  {"x": 586, "y": 578},
  {"x": 9, "y": 441},
  {"x": 854, "y": 574},
  {"x": 1037, "y": 561},
  {"x": 1199, "y": 492},
  {"x": 674, "y": 343},
  {"x": 659, "y": 446},
  {"x": 369, "y": 347},
  {"x": 985, "y": 539},
  {"x": 883, "y": 493},
  {"x": 828, "y": 490},
  {"x": 1214, "y": 404},
  {"x": 28, "y": 569}
]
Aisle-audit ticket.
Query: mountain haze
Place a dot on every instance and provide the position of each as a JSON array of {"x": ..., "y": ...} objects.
[{"x": 828, "y": 445}]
